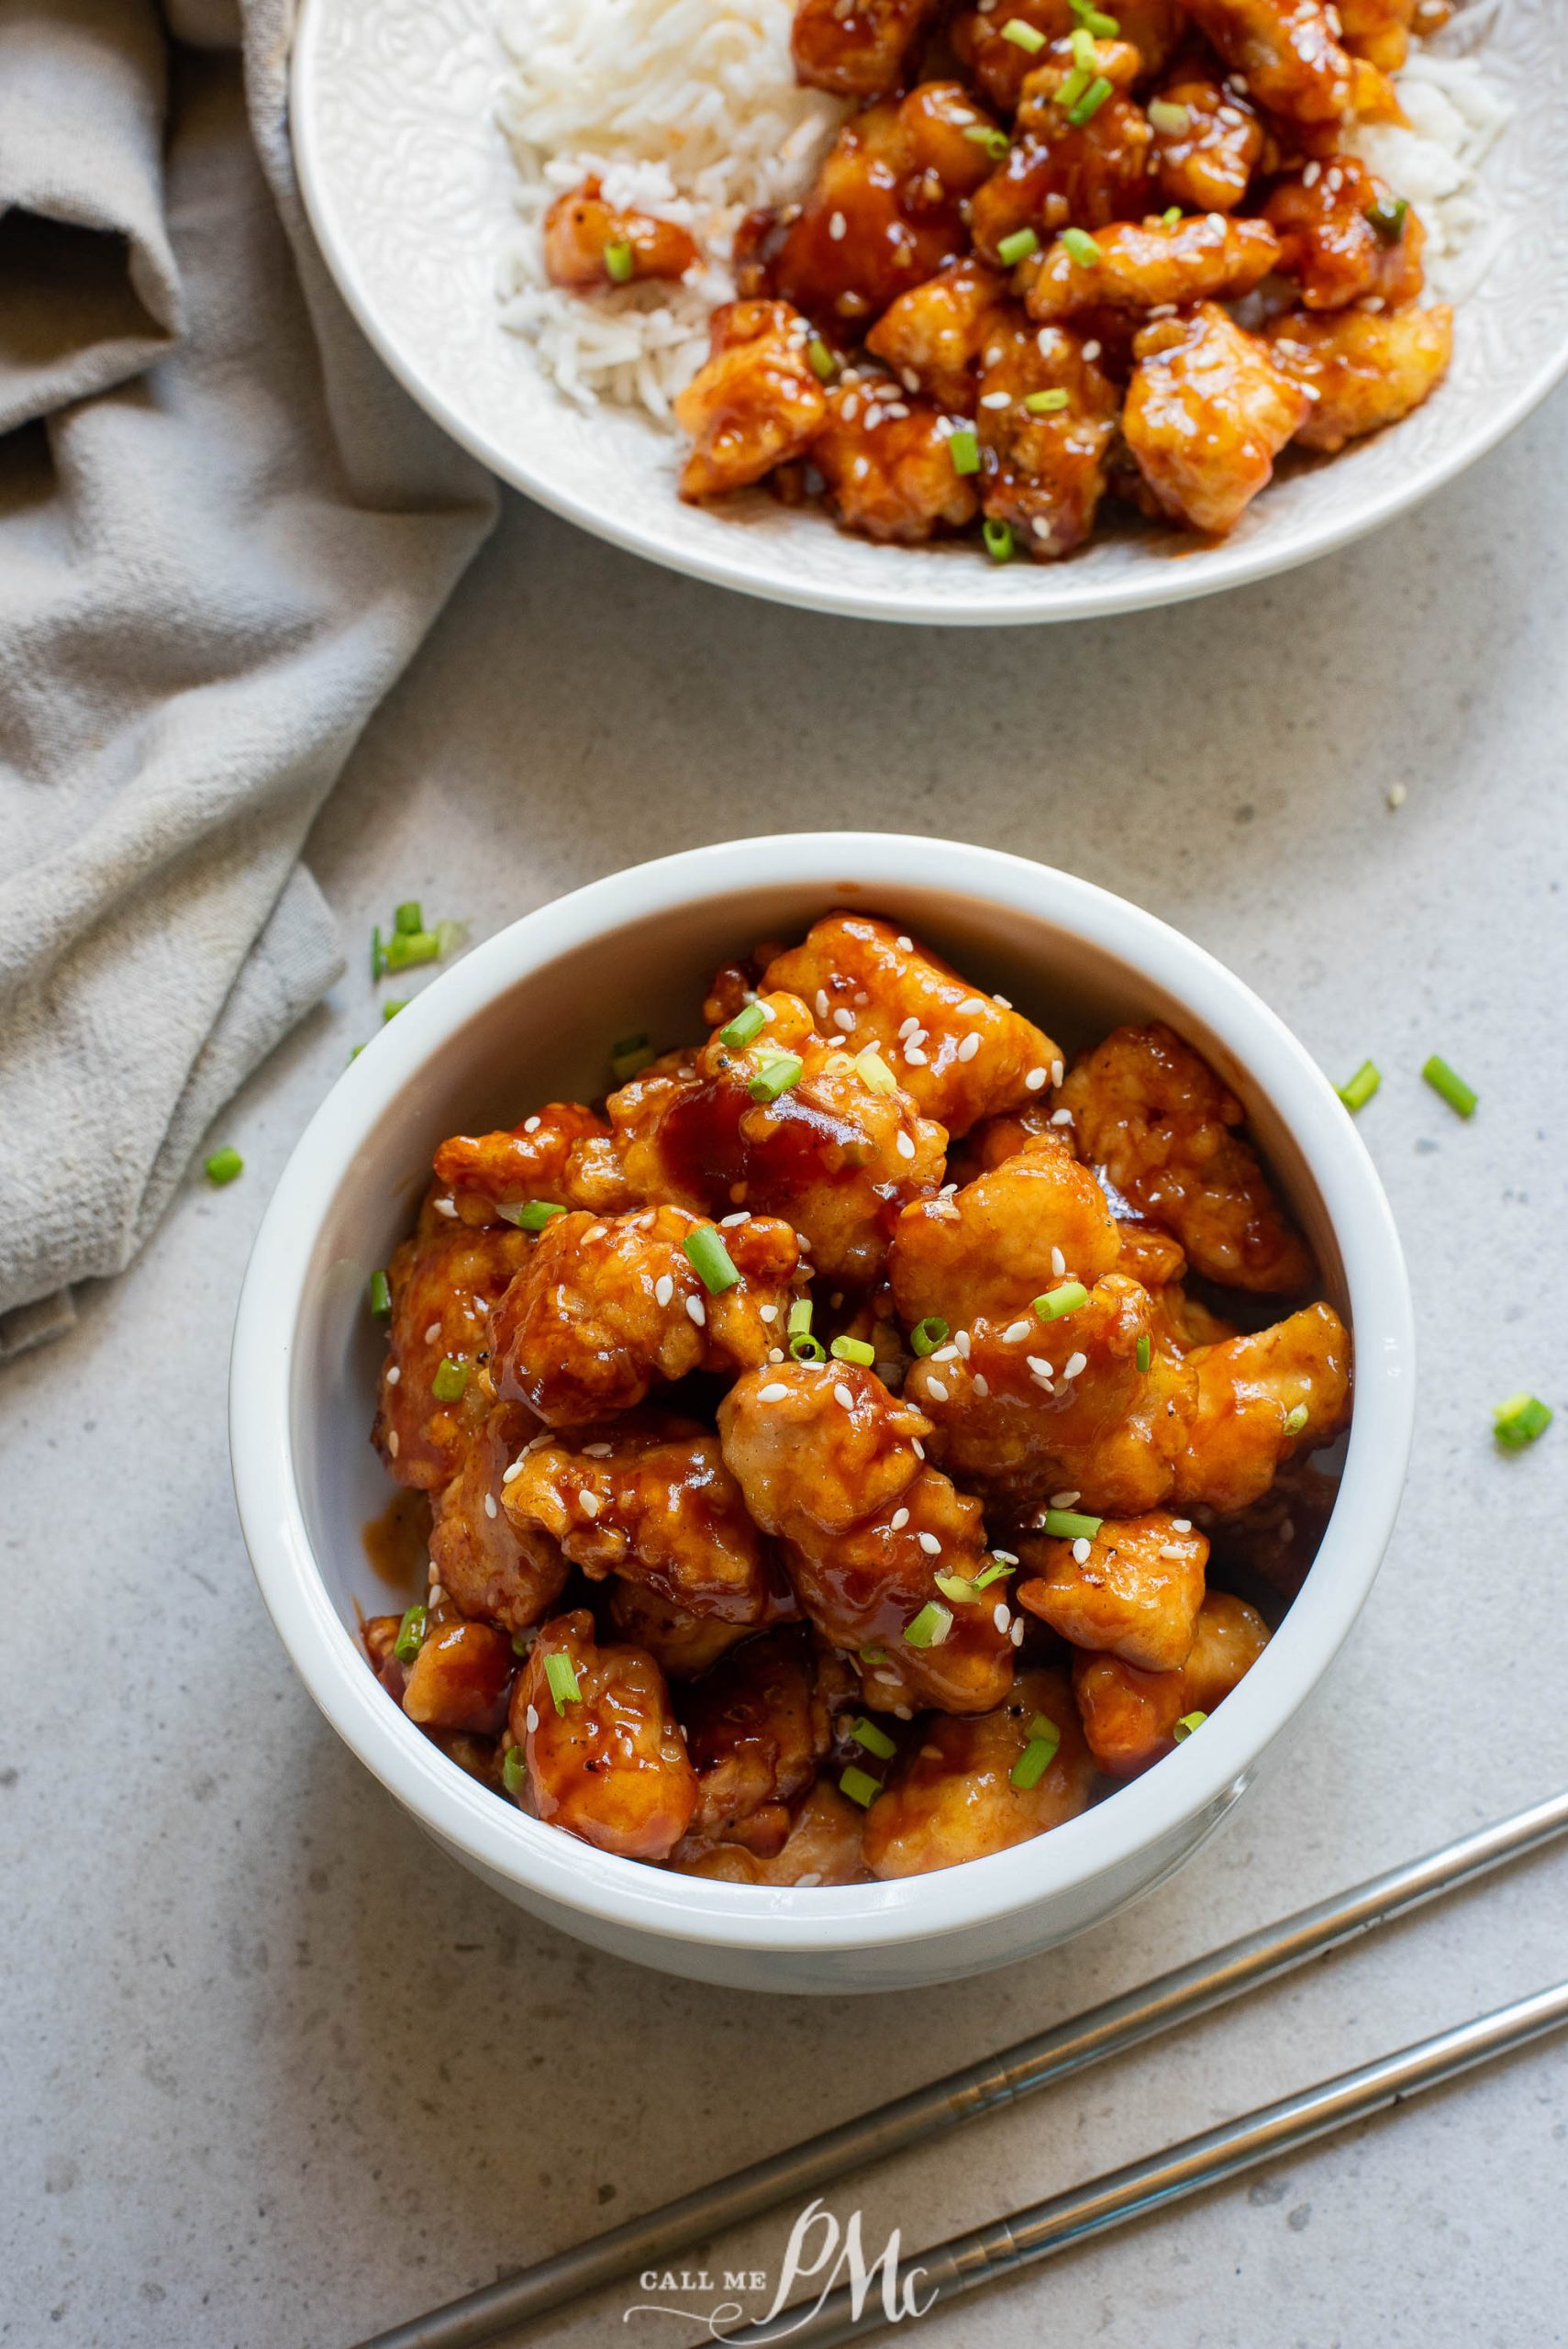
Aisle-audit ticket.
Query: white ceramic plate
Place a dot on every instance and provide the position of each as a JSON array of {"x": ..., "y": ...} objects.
[{"x": 409, "y": 188}]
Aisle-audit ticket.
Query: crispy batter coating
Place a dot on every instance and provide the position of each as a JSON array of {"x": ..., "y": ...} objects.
[
  {"x": 1036, "y": 1221},
  {"x": 754, "y": 403},
  {"x": 932, "y": 336},
  {"x": 1142, "y": 265},
  {"x": 834, "y": 1154},
  {"x": 583, "y": 235},
  {"x": 1150, "y": 1113},
  {"x": 646, "y": 1497},
  {"x": 1367, "y": 370},
  {"x": 1207, "y": 411},
  {"x": 952, "y": 1798},
  {"x": 1136, "y": 1593},
  {"x": 443, "y": 1281},
  {"x": 1150, "y": 1257},
  {"x": 683, "y": 1646},
  {"x": 1045, "y": 470},
  {"x": 757, "y": 1726},
  {"x": 1205, "y": 163},
  {"x": 869, "y": 983},
  {"x": 460, "y": 1678},
  {"x": 550, "y": 1156},
  {"x": 823, "y": 1847},
  {"x": 1330, "y": 247},
  {"x": 1286, "y": 52},
  {"x": 1249, "y": 1392},
  {"x": 888, "y": 467},
  {"x": 1129, "y": 1716},
  {"x": 604, "y": 1307},
  {"x": 860, "y": 51},
  {"x": 1064, "y": 1407},
  {"x": 609, "y": 1764},
  {"x": 506, "y": 1574},
  {"x": 827, "y": 1461},
  {"x": 1378, "y": 30}
]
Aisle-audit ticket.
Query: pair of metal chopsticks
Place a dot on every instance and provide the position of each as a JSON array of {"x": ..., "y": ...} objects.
[{"x": 1111, "y": 2029}]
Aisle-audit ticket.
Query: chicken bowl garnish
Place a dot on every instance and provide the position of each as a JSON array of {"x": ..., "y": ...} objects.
[{"x": 859, "y": 1441}]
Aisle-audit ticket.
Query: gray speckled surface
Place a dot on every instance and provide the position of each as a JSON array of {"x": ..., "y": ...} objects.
[{"x": 273, "y": 2070}]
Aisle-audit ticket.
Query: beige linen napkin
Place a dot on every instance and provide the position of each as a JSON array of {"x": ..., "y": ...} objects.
[{"x": 223, "y": 532}]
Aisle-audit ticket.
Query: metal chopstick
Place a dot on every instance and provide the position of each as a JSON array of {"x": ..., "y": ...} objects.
[
  {"x": 1032, "y": 2063},
  {"x": 965, "y": 2261}
]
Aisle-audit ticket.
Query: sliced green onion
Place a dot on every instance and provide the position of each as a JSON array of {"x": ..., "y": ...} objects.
[
  {"x": 1045, "y": 402},
  {"x": 929, "y": 1334},
  {"x": 1081, "y": 247},
  {"x": 964, "y": 450},
  {"x": 1072, "y": 88},
  {"x": 410, "y": 1635},
  {"x": 1453, "y": 1088},
  {"x": 876, "y": 1740},
  {"x": 224, "y": 1165},
  {"x": 449, "y": 1380},
  {"x": 820, "y": 359},
  {"x": 522, "y": 1642},
  {"x": 1070, "y": 1525},
  {"x": 513, "y": 1770},
  {"x": 1038, "y": 1755},
  {"x": 1022, "y": 36},
  {"x": 957, "y": 1588},
  {"x": 1018, "y": 247},
  {"x": 532, "y": 1214},
  {"x": 1386, "y": 218},
  {"x": 1094, "y": 20},
  {"x": 803, "y": 1346},
  {"x": 1295, "y": 1419},
  {"x": 378, "y": 955},
  {"x": 1085, "y": 57},
  {"x": 1359, "y": 1090},
  {"x": 1171, "y": 218},
  {"x": 994, "y": 1572},
  {"x": 873, "y": 1655},
  {"x": 380, "y": 1295},
  {"x": 799, "y": 1320},
  {"x": 853, "y": 1350},
  {"x": 873, "y": 1070},
  {"x": 562, "y": 1674},
  {"x": 354, "y": 1051},
  {"x": 392, "y": 1006},
  {"x": 405, "y": 949},
  {"x": 1185, "y": 1726},
  {"x": 1143, "y": 1354},
  {"x": 1089, "y": 104},
  {"x": 748, "y": 1023},
  {"x": 1169, "y": 116},
  {"x": 709, "y": 1259},
  {"x": 775, "y": 1076},
  {"x": 998, "y": 537},
  {"x": 630, "y": 1057},
  {"x": 619, "y": 263},
  {"x": 409, "y": 918},
  {"x": 997, "y": 143},
  {"x": 1058, "y": 1301},
  {"x": 931, "y": 1625},
  {"x": 1520, "y": 1420},
  {"x": 449, "y": 935},
  {"x": 860, "y": 1785}
]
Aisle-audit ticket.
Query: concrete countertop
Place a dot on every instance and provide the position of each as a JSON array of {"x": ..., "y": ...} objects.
[{"x": 274, "y": 2071}]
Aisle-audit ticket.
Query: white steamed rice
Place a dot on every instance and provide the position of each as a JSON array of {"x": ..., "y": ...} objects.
[{"x": 689, "y": 110}]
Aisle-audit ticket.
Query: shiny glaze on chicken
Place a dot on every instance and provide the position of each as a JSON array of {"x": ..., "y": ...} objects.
[{"x": 853, "y": 1446}]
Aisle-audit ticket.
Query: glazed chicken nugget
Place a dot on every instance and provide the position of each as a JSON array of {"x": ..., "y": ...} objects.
[
  {"x": 461, "y": 1677},
  {"x": 590, "y": 243},
  {"x": 1208, "y": 412},
  {"x": 754, "y": 403},
  {"x": 1365, "y": 370},
  {"x": 959, "y": 1055},
  {"x": 1142, "y": 265},
  {"x": 987, "y": 1251},
  {"x": 859, "y": 51},
  {"x": 443, "y": 1282},
  {"x": 604, "y": 1307},
  {"x": 757, "y": 1726},
  {"x": 966, "y": 1788},
  {"x": 507, "y": 1574},
  {"x": 932, "y": 335},
  {"x": 823, "y": 1847},
  {"x": 1286, "y": 52},
  {"x": 543, "y": 1158},
  {"x": 1134, "y": 1592},
  {"x": 1130, "y": 1717},
  {"x": 1150, "y": 1113},
  {"x": 605, "y": 1758},
  {"x": 1263, "y": 1399},
  {"x": 646, "y": 1497}
]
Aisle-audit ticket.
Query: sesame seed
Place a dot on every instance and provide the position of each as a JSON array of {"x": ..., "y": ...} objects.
[
  {"x": 489, "y": 1504},
  {"x": 1058, "y": 1263},
  {"x": 995, "y": 399},
  {"x": 899, "y": 1520},
  {"x": 843, "y": 1394},
  {"x": 1074, "y": 1364},
  {"x": 1171, "y": 1550},
  {"x": 588, "y": 1502},
  {"x": 697, "y": 1310},
  {"x": 916, "y": 1058},
  {"x": 392, "y": 1444},
  {"x": 982, "y": 1384},
  {"x": 936, "y": 1390},
  {"x": 836, "y": 226},
  {"x": 1081, "y": 1552},
  {"x": 1061, "y": 1117},
  {"x": 1397, "y": 795},
  {"x": 960, "y": 1338},
  {"x": 596, "y": 1451},
  {"x": 729, "y": 1222},
  {"x": 846, "y": 1020},
  {"x": 774, "y": 1392},
  {"x": 1006, "y": 1557},
  {"x": 1017, "y": 1633},
  {"x": 931, "y": 1754},
  {"x": 945, "y": 1353},
  {"x": 1091, "y": 350},
  {"x": 805, "y": 1883},
  {"x": 767, "y": 1312},
  {"x": 775, "y": 1353},
  {"x": 1003, "y": 1002},
  {"x": 1312, "y": 174},
  {"x": 531, "y": 1718},
  {"x": 910, "y": 1027},
  {"x": 1181, "y": 1524},
  {"x": 907, "y": 945},
  {"x": 1002, "y": 1615},
  {"x": 902, "y": 1712},
  {"x": 1041, "y": 1368},
  {"x": 663, "y": 1290},
  {"x": 446, "y": 1207},
  {"x": 392, "y": 1375},
  {"x": 1057, "y": 1071},
  {"x": 1066, "y": 1500},
  {"x": 437, "y": 1593},
  {"x": 931, "y": 1546},
  {"x": 1034, "y": 1080},
  {"x": 916, "y": 1447},
  {"x": 432, "y": 1333},
  {"x": 968, "y": 1047},
  {"x": 903, "y": 1145},
  {"x": 530, "y": 1125},
  {"x": 972, "y": 1003}
]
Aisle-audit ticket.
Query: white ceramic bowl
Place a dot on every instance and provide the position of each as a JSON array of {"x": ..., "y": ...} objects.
[
  {"x": 526, "y": 1017},
  {"x": 409, "y": 189}
]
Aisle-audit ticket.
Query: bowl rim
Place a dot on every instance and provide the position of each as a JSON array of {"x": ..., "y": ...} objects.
[
  {"x": 1199, "y": 1777},
  {"x": 749, "y": 570}
]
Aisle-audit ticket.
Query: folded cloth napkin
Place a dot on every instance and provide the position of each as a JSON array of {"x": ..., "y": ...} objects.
[{"x": 223, "y": 532}]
